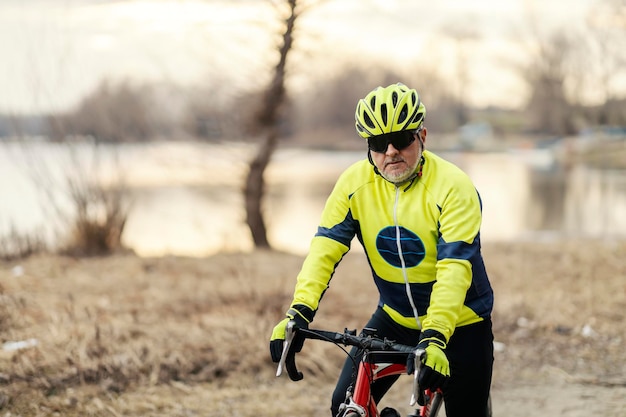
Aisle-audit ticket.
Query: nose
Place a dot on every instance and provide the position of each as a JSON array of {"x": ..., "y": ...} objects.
[{"x": 391, "y": 150}]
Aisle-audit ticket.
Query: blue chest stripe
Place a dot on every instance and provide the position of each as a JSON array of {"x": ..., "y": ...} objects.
[{"x": 394, "y": 295}]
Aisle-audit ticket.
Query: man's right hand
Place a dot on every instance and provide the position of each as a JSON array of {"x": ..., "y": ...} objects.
[{"x": 302, "y": 315}]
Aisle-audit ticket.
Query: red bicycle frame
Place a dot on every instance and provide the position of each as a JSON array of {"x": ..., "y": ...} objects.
[
  {"x": 368, "y": 373},
  {"x": 376, "y": 365}
]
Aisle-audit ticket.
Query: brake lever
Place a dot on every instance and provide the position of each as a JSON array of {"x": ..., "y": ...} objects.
[
  {"x": 417, "y": 396},
  {"x": 289, "y": 335}
]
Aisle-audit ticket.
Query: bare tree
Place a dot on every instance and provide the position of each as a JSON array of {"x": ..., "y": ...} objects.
[
  {"x": 571, "y": 67},
  {"x": 464, "y": 38},
  {"x": 548, "y": 108},
  {"x": 548, "y": 103},
  {"x": 606, "y": 24},
  {"x": 266, "y": 119},
  {"x": 330, "y": 103}
]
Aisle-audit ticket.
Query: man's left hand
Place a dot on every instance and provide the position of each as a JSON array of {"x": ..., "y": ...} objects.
[{"x": 436, "y": 370}]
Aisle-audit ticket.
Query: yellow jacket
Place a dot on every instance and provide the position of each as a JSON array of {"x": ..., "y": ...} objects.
[{"x": 435, "y": 221}]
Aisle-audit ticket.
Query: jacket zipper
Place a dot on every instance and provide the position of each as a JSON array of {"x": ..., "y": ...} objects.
[{"x": 402, "y": 263}]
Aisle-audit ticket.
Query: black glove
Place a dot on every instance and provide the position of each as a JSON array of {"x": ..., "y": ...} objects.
[
  {"x": 436, "y": 370},
  {"x": 302, "y": 315}
]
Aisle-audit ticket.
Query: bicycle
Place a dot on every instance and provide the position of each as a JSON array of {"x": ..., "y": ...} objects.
[{"x": 381, "y": 358}]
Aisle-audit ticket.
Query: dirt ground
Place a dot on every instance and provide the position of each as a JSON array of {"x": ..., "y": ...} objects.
[{"x": 130, "y": 336}]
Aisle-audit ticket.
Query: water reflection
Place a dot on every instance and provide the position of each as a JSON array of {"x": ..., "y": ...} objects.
[
  {"x": 594, "y": 202},
  {"x": 187, "y": 197}
]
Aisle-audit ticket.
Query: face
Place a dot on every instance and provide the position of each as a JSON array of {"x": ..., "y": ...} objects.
[{"x": 397, "y": 166}]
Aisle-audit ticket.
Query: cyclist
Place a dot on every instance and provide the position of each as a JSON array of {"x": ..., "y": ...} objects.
[{"x": 418, "y": 218}]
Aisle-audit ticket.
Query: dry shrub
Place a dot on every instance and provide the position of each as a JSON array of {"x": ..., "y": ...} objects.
[
  {"x": 99, "y": 220},
  {"x": 83, "y": 193}
]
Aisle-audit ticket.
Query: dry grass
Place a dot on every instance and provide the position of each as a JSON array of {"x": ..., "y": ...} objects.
[{"x": 126, "y": 336}]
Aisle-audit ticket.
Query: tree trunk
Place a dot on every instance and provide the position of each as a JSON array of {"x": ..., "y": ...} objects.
[
  {"x": 255, "y": 189},
  {"x": 267, "y": 122}
]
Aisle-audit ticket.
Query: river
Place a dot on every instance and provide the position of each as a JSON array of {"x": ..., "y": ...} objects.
[{"x": 186, "y": 197}]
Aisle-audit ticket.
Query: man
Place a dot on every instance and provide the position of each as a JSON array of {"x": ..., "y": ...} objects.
[{"x": 418, "y": 218}]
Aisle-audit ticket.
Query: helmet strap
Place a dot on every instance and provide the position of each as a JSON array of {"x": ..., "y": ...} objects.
[{"x": 369, "y": 158}]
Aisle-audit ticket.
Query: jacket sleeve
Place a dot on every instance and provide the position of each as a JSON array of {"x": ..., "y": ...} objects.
[
  {"x": 331, "y": 242},
  {"x": 458, "y": 244}
]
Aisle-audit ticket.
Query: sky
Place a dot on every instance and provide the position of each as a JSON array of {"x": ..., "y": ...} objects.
[{"x": 54, "y": 52}]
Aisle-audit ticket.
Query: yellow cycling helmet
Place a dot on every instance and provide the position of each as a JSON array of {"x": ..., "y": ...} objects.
[{"x": 391, "y": 109}]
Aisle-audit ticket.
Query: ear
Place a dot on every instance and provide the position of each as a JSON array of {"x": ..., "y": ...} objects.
[{"x": 423, "y": 135}]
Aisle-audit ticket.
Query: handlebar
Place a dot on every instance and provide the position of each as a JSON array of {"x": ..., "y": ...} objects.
[{"x": 369, "y": 342}]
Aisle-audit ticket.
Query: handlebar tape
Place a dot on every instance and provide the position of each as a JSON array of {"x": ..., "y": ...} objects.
[{"x": 290, "y": 364}]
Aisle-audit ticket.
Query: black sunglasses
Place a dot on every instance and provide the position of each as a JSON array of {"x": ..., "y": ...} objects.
[{"x": 399, "y": 140}]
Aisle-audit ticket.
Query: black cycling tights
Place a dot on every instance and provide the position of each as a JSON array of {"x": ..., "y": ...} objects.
[{"x": 470, "y": 352}]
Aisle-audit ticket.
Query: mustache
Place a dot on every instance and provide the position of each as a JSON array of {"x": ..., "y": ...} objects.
[{"x": 394, "y": 160}]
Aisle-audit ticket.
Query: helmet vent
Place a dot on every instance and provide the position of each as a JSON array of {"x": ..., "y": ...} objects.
[
  {"x": 368, "y": 121},
  {"x": 373, "y": 102},
  {"x": 394, "y": 99},
  {"x": 418, "y": 117},
  {"x": 414, "y": 98},
  {"x": 403, "y": 113},
  {"x": 383, "y": 113}
]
